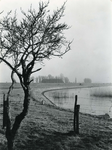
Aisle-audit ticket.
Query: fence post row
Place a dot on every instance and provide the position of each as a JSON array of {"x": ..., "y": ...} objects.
[{"x": 76, "y": 116}]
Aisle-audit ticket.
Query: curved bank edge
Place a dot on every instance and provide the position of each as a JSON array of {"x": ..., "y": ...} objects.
[{"x": 63, "y": 88}]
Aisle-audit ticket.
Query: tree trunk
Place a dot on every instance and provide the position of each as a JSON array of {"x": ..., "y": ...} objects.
[
  {"x": 10, "y": 143},
  {"x": 22, "y": 115},
  {"x": 10, "y": 133}
]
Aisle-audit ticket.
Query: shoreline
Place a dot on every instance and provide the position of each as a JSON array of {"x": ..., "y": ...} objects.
[
  {"x": 106, "y": 115},
  {"x": 63, "y": 88}
]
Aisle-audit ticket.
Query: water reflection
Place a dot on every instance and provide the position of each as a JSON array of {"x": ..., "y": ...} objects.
[{"x": 89, "y": 103}]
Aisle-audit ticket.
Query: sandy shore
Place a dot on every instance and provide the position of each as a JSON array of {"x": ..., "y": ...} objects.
[{"x": 48, "y": 128}]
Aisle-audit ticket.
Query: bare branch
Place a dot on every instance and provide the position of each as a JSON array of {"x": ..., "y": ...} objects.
[
  {"x": 1, "y": 12},
  {"x": 36, "y": 70},
  {"x": 11, "y": 87}
]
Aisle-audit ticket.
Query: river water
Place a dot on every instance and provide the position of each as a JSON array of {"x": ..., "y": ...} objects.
[{"x": 94, "y": 100}]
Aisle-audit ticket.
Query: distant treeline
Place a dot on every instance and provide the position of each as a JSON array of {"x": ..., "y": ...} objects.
[{"x": 51, "y": 79}]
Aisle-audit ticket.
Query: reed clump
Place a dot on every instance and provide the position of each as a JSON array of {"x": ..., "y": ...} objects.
[{"x": 102, "y": 93}]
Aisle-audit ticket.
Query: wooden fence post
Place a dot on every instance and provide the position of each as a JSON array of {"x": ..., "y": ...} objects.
[
  {"x": 77, "y": 119},
  {"x": 76, "y": 116},
  {"x": 74, "y": 125}
]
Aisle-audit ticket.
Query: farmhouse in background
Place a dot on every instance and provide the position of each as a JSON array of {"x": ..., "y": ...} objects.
[
  {"x": 52, "y": 80},
  {"x": 87, "y": 80}
]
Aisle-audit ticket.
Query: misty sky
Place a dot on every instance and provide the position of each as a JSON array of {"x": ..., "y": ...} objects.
[{"x": 91, "y": 32}]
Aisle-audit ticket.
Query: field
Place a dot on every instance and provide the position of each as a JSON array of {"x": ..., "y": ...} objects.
[{"x": 47, "y": 127}]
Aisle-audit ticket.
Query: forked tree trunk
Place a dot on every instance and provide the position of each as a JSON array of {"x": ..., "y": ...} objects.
[
  {"x": 10, "y": 143},
  {"x": 10, "y": 133}
]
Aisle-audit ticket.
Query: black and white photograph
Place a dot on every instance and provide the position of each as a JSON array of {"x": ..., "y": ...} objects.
[{"x": 56, "y": 75}]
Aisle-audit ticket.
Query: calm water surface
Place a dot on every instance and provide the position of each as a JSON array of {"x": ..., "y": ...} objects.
[{"x": 88, "y": 103}]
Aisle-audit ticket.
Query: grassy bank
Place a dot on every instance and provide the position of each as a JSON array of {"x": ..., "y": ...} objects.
[{"x": 48, "y": 128}]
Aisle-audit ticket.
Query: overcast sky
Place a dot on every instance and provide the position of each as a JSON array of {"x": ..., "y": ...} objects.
[{"x": 91, "y": 31}]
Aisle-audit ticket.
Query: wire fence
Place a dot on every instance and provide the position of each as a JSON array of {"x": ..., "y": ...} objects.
[
  {"x": 89, "y": 104},
  {"x": 95, "y": 119},
  {"x": 94, "y": 114}
]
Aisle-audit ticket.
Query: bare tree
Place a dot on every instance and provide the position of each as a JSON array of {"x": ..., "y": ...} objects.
[{"x": 37, "y": 36}]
